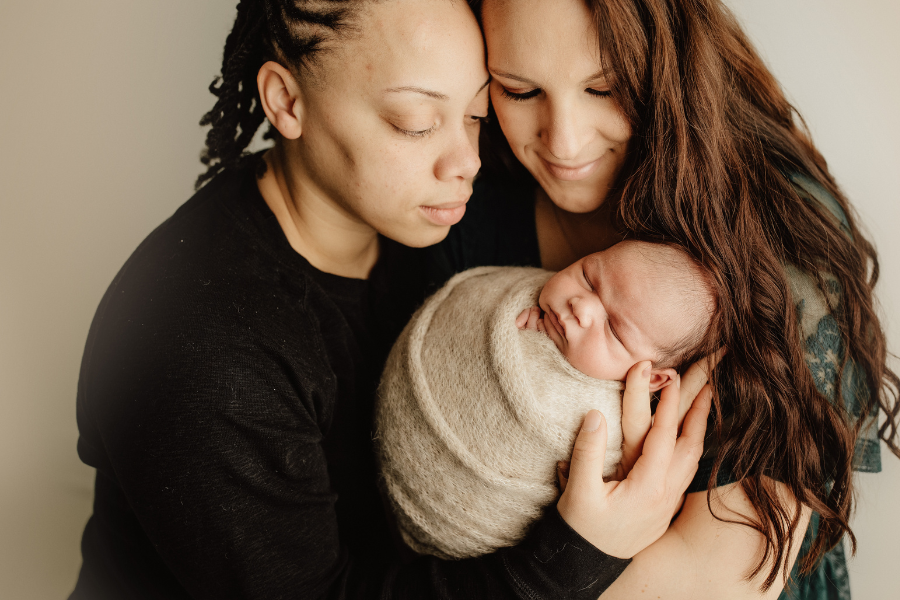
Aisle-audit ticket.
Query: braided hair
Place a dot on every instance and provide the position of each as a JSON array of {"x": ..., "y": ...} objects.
[{"x": 290, "y": 32}]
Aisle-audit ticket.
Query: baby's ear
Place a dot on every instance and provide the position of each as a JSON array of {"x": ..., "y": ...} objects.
[{"x": 660, "y": 378}]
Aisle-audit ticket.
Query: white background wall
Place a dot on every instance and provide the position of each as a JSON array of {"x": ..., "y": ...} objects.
[{"x": 99, "y": 142}]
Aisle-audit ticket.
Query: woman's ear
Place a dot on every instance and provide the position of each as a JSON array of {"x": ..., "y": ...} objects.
[
  {"x": 660, "y": 378},
  {"x": 281, "y": 99}
]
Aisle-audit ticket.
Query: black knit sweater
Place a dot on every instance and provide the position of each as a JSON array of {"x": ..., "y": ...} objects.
[{"x": 225, "y": 399}]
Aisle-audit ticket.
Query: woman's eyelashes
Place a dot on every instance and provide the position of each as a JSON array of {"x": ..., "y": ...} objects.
[
  {"x": 520, "y": 96},
  {"x": 416, "y": 133},
  {"x": 421, "y": 133},
  {"x": 523, "y": 96}
]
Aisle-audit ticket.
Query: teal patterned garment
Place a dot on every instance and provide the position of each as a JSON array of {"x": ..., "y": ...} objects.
[{"x": 824, "y": 353}]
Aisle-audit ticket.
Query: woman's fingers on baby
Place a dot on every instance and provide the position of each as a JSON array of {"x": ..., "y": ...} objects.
[
  {"x": 695, "y": 378},
  {"x": 585, "y": 491},
  {"x": 660, "y": 441},
  {"x": 689, "y": 447},
  {"x": 586, "y": 465},
  {"x": 691, "y": 383},
  {"x": 636, "y": 415},
  {"x": 636, "y": 400}
]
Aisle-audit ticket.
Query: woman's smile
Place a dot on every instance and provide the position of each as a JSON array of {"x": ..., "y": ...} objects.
[{"x": 570, "y": 173}]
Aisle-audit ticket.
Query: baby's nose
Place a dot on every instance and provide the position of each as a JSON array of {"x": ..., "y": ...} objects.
[{"x": 580, "y": 312}]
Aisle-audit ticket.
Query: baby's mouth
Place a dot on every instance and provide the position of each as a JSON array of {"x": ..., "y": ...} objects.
[{"x": 550, "y": 316}]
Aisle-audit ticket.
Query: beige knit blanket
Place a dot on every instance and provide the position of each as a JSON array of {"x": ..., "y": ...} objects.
[{"x": 473, "y": 415}]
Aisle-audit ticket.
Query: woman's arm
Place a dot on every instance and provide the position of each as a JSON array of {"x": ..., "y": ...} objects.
[{"x": 701, "y": 557}]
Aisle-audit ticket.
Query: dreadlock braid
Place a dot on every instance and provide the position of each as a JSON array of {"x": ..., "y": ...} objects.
[{"x": 290, "y": 32}]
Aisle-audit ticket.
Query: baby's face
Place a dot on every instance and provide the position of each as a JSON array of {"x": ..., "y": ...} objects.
[{"x": 616, "y": 308}]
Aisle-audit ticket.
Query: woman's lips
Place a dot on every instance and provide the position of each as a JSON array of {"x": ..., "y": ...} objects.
[
  {"x": 444, "y": 214},
  {"x": 573, "y": 173}
]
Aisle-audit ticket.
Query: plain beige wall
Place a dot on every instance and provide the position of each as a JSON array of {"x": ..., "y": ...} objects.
[{"x": 99, "y": 143}]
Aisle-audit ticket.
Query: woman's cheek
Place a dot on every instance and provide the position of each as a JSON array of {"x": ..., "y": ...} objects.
[{"x": 616, "y": 127}]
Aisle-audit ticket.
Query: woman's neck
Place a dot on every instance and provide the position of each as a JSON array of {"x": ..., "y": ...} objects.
[
  {"x": 317, "y": 228},
  {"x": 565, "y": 237}
]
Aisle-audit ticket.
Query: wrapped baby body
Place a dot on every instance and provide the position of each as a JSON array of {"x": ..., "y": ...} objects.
[{"x": 474, "y": 414}]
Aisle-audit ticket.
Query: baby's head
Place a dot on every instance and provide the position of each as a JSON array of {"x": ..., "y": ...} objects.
[{"x": 634, "y": 301}]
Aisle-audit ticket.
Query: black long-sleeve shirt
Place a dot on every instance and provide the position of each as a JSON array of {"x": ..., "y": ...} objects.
[{"x": 225, "y": 399}]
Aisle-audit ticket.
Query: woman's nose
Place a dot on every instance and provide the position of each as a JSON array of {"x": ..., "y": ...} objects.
[
  {"x": 562, "y": 135},
  {"x": 460, "y": 159}
]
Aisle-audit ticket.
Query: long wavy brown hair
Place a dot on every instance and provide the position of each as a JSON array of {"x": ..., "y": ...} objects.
[{"x": 713, "y": 147}]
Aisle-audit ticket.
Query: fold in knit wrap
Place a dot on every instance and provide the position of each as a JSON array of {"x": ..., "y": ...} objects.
[{"x": 473, "y": 415}]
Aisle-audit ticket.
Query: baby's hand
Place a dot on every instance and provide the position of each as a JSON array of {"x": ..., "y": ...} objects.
[{"x": 530, "y": 318}]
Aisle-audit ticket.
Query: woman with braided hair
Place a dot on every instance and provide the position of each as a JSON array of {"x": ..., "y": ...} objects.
[{"x": 226, "y": 391}]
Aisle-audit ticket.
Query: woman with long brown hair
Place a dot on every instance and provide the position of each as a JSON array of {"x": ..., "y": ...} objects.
[
  {"x": 226, "y": 391},
  {"x": 656, "y": 119}
]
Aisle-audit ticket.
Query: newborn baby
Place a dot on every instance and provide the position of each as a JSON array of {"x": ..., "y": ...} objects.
[
  {"x": 484, "y": 392},
  {"x": 635, "y": 301}
]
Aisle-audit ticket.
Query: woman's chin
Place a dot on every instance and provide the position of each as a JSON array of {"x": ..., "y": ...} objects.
[
  {"x": 574, "y": 199},
  {"x": 418, "y": 237}
]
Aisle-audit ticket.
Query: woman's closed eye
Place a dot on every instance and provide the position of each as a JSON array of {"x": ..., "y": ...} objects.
[
  {"x": 520, "y": 96},
  {"x": 420, "y": 133},
  {"x": 416, "y": 133},
  {"x": 523, "y": 96}
]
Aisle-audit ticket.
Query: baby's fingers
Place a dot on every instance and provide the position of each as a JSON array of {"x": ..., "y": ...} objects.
[
  {"x": 530, "y": 319},
  {"x": 522, "y": 319}
]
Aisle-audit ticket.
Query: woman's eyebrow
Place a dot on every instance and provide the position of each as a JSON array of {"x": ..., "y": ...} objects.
[
  {"x": 418, "y": 90},
  {"x": 426, "y": 92},
  {"x": 601, "y": 74},
  {"x": 506, "y": 75}
]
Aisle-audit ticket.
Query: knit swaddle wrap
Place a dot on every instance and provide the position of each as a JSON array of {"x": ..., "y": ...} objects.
[{"x": 474, "y": 414}]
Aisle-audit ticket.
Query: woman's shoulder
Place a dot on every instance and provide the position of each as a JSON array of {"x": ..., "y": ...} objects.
[
  {"x": 203, "y": 325},
  {"x": 812, "y": 191},
  {"x": 213, "y": 275}
]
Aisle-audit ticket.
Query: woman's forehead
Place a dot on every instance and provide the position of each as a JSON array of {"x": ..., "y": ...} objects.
[
  {"x": 527, "y": 34},
  {"x": 427, "y": 44}
]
